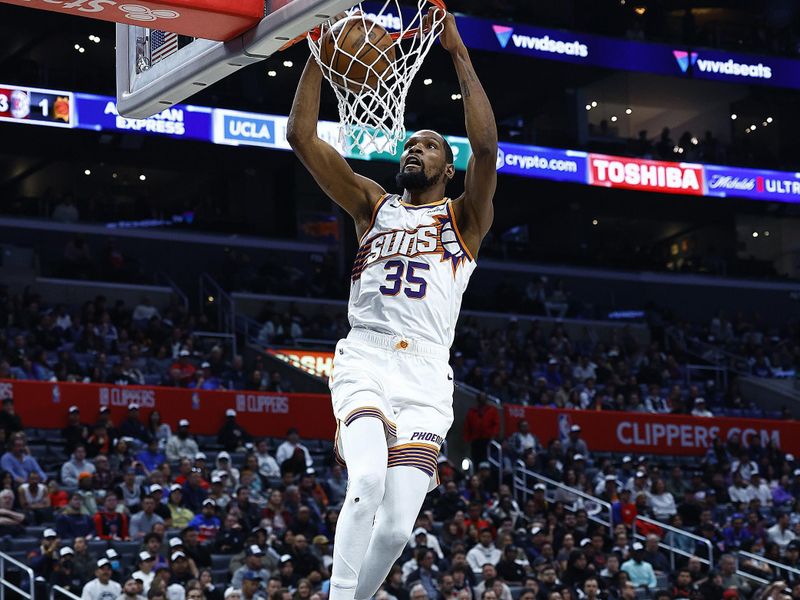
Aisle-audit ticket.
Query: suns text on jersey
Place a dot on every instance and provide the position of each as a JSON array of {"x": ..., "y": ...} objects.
[{"x": 424, "y": 240}]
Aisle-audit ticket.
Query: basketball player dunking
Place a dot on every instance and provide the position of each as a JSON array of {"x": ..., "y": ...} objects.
[{"x": 391, "y": 384}]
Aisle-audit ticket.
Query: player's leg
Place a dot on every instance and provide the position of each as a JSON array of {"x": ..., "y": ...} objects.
[
  {"x": 406, "y": 488},
  {"x": 365, "y": 451}
]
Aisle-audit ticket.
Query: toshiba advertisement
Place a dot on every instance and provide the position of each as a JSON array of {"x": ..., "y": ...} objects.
[{"x": 645, "y": 175}]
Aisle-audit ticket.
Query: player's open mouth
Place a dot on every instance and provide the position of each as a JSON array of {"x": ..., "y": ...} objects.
[{"x": 413, "y": 161}]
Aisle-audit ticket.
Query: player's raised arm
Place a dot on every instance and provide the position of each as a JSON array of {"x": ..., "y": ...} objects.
[
  {"x": 354, "y": 193},
  {"x": 481, "y": 179}
]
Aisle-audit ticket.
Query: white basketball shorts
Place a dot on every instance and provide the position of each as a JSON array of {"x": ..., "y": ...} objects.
[{"x": 406, "y": 383}]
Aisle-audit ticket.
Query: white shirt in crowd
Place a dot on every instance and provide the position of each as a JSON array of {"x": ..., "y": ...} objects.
[
  {"x": 286, "y": 451},
  {"x": 479, "y": 555},
  {"x": 431, "y": 542},
  {"x": 663, "y": 505},
  {"x": 782, "y": 538},
  {"x": 741, "y": 494},
  {"x": 147, "y": 579},
  {"x": 94, "y": 590}
]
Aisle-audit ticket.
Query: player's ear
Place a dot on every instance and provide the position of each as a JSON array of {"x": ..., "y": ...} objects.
[{"x": 450, "y": 172}]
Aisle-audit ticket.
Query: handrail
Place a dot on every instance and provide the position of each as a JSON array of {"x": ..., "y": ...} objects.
[
  {"x": 496, "y": 462},
  {"x": 211, "y": 291},
  {"x": 63, "y": 591},
  {"x": 582, "y": 495},
  {"x": 777, "y": 565},
  {"x": 5, "y": 583},
  {"x": 672, "y": 548},
  {"x": 177, "y": 290}
]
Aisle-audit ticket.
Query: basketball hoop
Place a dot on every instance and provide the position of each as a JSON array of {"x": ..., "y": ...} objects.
[{"x": 372, "y": 117}]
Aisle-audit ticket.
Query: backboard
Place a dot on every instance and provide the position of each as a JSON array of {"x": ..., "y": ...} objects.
[{"x": 156, "y": 69}]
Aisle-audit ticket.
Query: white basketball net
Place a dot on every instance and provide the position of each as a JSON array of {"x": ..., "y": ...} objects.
[{"x": 373, "y": 119}]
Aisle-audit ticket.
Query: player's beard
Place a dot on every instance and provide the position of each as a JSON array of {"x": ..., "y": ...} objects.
[{"x": 416, "y": 180}]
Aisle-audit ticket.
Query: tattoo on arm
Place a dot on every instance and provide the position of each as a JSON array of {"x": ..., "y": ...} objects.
[{"x": 465, "y": 82}]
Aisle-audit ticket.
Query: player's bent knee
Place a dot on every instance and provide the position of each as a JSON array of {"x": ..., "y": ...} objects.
[{"x": 395, "y": 536}]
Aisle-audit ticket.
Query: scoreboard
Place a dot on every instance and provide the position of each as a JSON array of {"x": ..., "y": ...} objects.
[{"x": 35, "y": 106}]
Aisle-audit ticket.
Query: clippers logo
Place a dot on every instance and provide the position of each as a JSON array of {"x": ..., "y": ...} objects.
[
  {"x": 136, "y": 12},
  {"x": 503, "y": 34},
  {"x": 425, "y": 436}
]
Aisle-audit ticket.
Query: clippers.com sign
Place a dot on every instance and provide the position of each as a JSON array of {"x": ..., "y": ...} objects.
[
  {"x": 212, "y": 20},
  {"x": 611, "y": 431},
  {"x": 645, "y": 175}
]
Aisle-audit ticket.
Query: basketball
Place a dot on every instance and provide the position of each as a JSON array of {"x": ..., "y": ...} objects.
[{"x": 351, "y": 47}]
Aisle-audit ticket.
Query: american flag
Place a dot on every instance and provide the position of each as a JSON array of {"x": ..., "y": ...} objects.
[{"x": 162, "y": 44}]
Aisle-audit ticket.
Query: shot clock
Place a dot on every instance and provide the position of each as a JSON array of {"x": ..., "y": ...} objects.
[{"x": 36, "y": 106}]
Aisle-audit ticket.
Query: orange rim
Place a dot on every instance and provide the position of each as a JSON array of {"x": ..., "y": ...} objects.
[{"x": 316, "y": 33}]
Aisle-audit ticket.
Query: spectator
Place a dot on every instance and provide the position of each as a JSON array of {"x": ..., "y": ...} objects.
[
  {"x": 182, "y": 371},
  {"x": 130, "y": 491},
  {"x": 64, "y": 574},
  {"x": 640, "y": 572},
  {"x": 426, "y": 573},
  {"x": 700, "y": 409},
  {"x": 181, "y": 445},
  {"x": 110, "y": 524},
  {"x": 34, "y": 499},
  {"x": 158, "y": 430},
  {"x": 72, "y": 522},
  {"x": 481, "y": 426},
  {"x": 132, "y": 427},
  {"x": 653, "y": 554},
  {"x": 207, "y": 522},
  {"x": 780, "y": 533},
  {"x": 232, "y": 437},
  {"x": 44, "y": 559},
  {"x": 180, "y": 515},
  {"x": 295, "y": 454},
  {"x": 523, "y": 439},
  {"x": 102, "y": 587},
  {"x": 75, "y": 433},
  {"x": 576, "y": 445},
  {"x": 145, "y": 311},
  {"x": 146, "y": 572},
  {"x": 661, "y": 501},
  {"x": 267, "y": 466},
  {"x": 151, "y": 458},
  {"x": 730, "y": 579},
  {"x": 9, "y": 419},
  {"x": 252, "y": 565},
  {"x": 509, "y": 569},
  {"x": 142, "y": 522},
  {"x": 197, "y": 553},
  {"x": 18, "y": 462},
  {"x": 483, "y": 552}
]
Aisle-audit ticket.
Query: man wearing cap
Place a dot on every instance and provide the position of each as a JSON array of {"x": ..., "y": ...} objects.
[
  {"x": 232, "y": 436},
  {"x": 182, "y": 569},
  {"x": 173, "y": 591},
  {"x": 133, "y": 427},
  {"x": 143, "y": 521},
  {"x": 575, "y": 445},
  {"x": 110, "y": 524},
  {"x": 639, "y": 571},
  {"x": 182, "y": 371},
  {"x": 130, "y": 590},
  {"x": 74, "y": 432},
  {"x": 321, "y": 547},
  {"x": 179, "y": 514},
  {"x": 181, "y": 445},
  {"x": 193, "y": 491},
  {"x": 146, "y": 572},
  {"x": 252, "y": 564},
  {"x": 207, "y": 522},
  {"x": 102, "y": 587},
  {"x": 204, "y": 379},
  {"x": 251, "y": 584},
  {"x": 65, "y": 574},
  {"x": 72, "y": 522},
  {"x": 77, "y": 464},
  {"x": 44, "y": 559},
  {"x": 481, "y": 426}
]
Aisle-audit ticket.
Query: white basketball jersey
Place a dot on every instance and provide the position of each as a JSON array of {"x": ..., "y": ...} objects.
[{"x": 410, "y": 272}]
